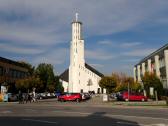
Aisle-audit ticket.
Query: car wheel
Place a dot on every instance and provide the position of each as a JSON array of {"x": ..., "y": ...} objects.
[
  {"x": 143, "y": 99},
  {"x": 77, "y": 100},
  {"x": 126, "y": 99}
]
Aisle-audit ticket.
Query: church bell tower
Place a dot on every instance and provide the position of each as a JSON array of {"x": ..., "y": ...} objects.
[{"x": 76, "y": 55}]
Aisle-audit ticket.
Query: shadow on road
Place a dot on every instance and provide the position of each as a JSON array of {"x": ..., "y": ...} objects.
[{"x": 95, "y": 119}]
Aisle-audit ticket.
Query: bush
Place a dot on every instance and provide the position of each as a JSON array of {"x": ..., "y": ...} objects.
[{"x": 151, "y": 80}]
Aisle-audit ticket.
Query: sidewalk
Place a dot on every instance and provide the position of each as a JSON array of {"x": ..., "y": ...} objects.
[{"x": 98, "y": 100}]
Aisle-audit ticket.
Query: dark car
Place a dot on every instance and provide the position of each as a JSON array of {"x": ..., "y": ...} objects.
[
  {"x": 85, "y": 96},
  {"x": 70, "y": 97}
]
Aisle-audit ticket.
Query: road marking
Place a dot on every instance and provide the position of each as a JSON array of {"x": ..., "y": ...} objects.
[
  {"x": 41, "y": 121},
  {"x": 80, "y": 113},
  {"x": 156, "y": 125},
  {"x": 127, "y": 123},
  {"x": 110, "y": 115},
  {"x": 6, "y": 112},
  {"x": 153, "y": 118}
]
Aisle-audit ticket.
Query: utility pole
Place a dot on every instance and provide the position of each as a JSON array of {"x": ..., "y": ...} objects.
[{"x": 128, "y": 91}]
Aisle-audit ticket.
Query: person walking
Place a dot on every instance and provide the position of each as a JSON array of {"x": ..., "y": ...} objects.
[{"x": 20, "y": 97}]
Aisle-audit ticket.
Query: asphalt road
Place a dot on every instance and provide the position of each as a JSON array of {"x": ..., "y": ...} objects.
[{"x": 53, "y": 113}]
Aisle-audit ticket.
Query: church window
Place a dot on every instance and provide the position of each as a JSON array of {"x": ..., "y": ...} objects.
[{"x": 79, "y": 73}]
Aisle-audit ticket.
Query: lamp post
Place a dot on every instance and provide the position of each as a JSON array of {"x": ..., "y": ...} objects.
[{"x": 128, "y": 91}]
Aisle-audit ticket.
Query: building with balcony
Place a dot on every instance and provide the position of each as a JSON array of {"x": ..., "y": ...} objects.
[{"x": 157, "y": 62}]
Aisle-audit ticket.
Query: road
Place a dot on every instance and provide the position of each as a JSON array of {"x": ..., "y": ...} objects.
[{"x": 53, "y": 113}]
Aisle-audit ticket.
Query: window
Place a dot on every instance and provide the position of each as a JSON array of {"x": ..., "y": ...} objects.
[{"x": 79, "y": 73}]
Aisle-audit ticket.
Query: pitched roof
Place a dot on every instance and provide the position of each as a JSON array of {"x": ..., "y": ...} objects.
[
  {"x": 93, "y": 70},
  {"x": 65, "y": 75},
  {"x": 153, "y": 54}
]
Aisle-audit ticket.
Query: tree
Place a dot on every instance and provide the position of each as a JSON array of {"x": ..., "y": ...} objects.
[
  {"x": 151, "y": 80},
  {"x": 109, "y": 83},
  {"x": 28, "y": 66},
  {"x": 28, "y": 84},
  {"x": 58, "y": 85},
  {"x": 46, "y": 74},
  {"x": 122, "y": 83}
]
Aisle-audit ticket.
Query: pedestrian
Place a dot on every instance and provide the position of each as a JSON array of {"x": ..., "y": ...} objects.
[{"x": 20, "y": 97}]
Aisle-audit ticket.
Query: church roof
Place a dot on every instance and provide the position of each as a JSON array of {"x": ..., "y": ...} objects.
[
  {"x": 65, "y": 75},
  {"x": 93, "y": 70}
]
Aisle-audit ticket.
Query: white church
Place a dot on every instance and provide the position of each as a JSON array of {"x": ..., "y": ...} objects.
[{"x": 80, "y": 77}]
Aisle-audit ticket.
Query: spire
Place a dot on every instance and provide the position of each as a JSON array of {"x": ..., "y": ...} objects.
[{"x": 76, "y": 15}]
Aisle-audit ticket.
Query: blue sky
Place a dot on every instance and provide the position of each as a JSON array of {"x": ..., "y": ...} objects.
[{"x": 117, "y": 33}]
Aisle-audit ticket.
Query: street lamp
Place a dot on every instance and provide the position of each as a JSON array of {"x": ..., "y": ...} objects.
[{"x": 128, "y": 91}]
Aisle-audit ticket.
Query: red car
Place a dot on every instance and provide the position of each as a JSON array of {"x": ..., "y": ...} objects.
[
  {"x": 133, "y": 97},
  {"x": 70, "y": 97}
]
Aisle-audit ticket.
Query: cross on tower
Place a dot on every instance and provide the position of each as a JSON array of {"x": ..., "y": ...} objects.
[{"x": 76, "y": 16}]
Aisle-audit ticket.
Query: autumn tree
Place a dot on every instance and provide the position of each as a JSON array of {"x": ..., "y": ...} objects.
[
  {"x": 123, "y": 81},
  {"x": 151, "y": 80},
  {"x": 28, "y": 84},
  {"x": 109, "y": 83}
]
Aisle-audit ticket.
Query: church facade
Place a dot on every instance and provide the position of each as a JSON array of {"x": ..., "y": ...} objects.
[{"x": 80, "y": 77}]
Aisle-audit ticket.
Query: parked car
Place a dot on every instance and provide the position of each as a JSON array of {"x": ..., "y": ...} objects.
[
  {"x": 131, "y": 97},
  {"x": 12, "y": 97},
  {"x": 85, "y": 96},
  {"x": 113, "y": 96},
  {"x": 70, "y": 97}
]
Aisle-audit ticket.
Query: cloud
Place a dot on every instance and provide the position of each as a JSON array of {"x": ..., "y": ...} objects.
[
  {"x": 96, "y": 65},
  {"x": 130, "y": 60},
  {"x": 105, "y": 42},
  {"x": 48, "y": 15},
  {"x": 29, "y": 35},
  {"x": 139, "y": 52},
  {"x": 57, "y": 56},
  {"x": 130, "y": 44},
  {"x": 46, "y": 24},
  {"x": 98, "y": 55},
  {"x": 20, "y": 50}
]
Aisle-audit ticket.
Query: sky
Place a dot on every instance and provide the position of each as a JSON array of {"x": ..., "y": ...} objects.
[{"x": 117, "y": 33}]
